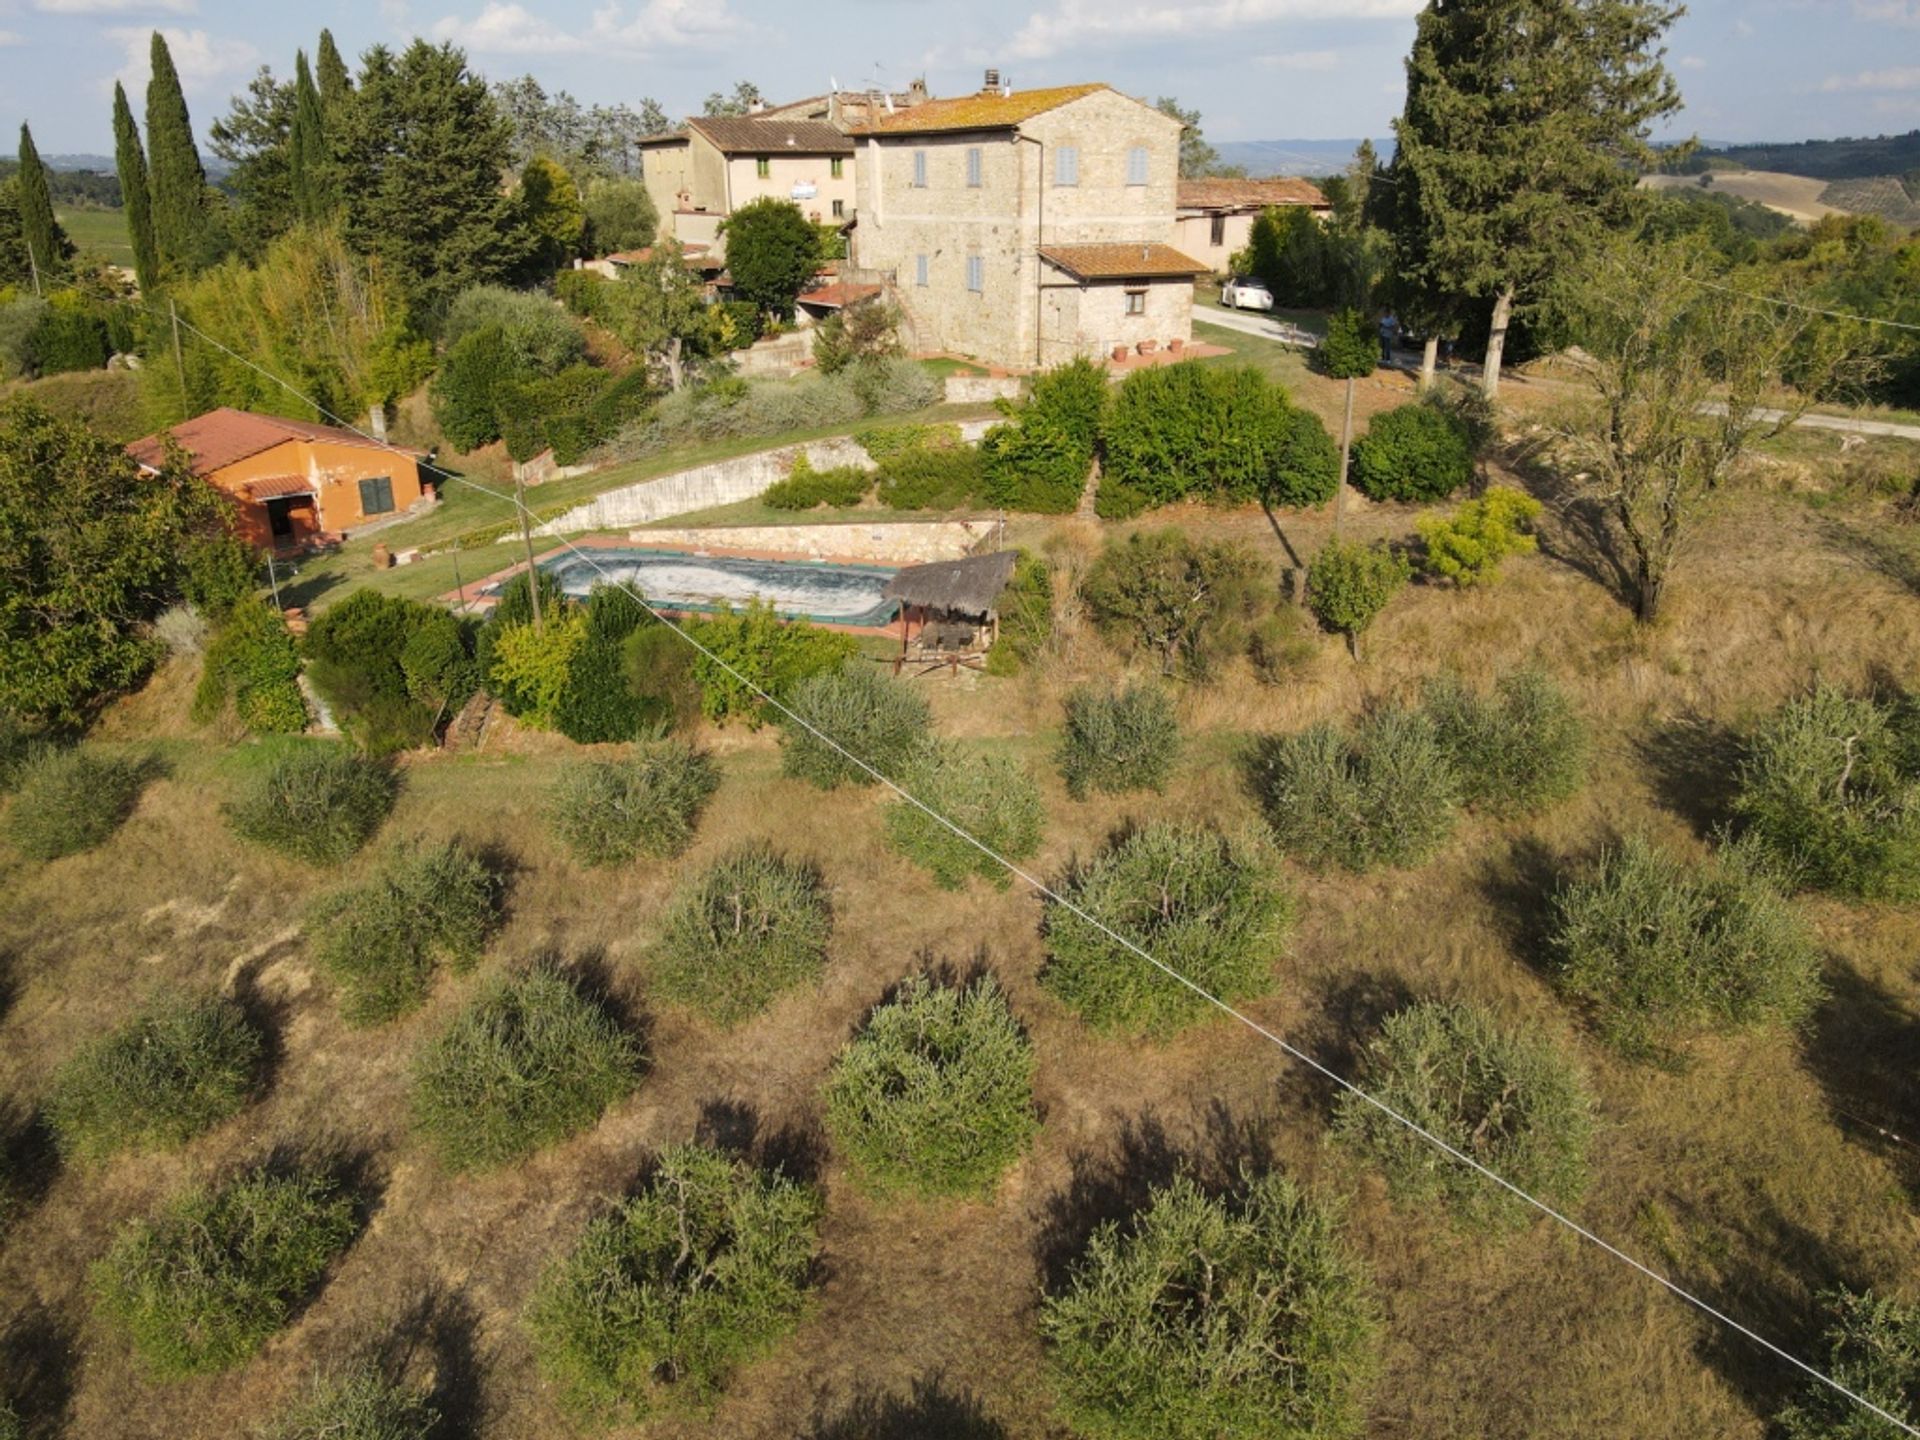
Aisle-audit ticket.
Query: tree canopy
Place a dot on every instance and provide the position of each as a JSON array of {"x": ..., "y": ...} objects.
[
  {"x": 130, "y": 162},
  {"x": 182, "y": 228},
  {"x": 771, "y": 253},
  {"x": 48, "y": 248}
]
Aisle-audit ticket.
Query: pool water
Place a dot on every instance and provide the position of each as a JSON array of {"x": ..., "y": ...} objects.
[{"x": 797, "y": 589}]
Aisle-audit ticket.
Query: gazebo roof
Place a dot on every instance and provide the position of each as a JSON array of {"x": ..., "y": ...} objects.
[{"x": 970, "y": 587}]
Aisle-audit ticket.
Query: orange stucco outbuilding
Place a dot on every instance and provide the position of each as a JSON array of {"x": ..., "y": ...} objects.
[{"x": 292, "y": 481}]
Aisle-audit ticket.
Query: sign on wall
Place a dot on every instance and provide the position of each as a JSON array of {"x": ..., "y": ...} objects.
[{"x": 804, "y": 190}]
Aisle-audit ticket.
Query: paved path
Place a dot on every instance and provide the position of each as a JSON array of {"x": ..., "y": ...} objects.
[
  {"x": 1255, "y": 322},
  {"x": 1845, "y": 424}
]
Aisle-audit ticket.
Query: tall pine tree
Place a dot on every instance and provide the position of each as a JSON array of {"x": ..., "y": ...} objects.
[
  {"x": 131, "y": 163},
  {"x": 1524, "y": 132},
  {"x": 336, "y": 84},
  {"x": 47, "y": 244},
  {"x": 179, "y": 185},
  {"x": 309, "y": 161}
]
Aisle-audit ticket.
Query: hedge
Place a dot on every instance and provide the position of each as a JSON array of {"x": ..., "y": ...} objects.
[
  {"x": 1418, "y": 452},
  {"x": 805, "y": 488}
]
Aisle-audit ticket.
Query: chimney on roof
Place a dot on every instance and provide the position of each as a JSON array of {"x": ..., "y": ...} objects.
[
  {"x": 917, "y": 90},
  {"x": 754, "y": 107},
  {"x": 992, "y": 82}
]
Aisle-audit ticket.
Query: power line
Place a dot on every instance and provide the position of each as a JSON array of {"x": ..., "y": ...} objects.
[
  {"x": 1041, "y": 888},
  {"x": 1809, "y": 309}
]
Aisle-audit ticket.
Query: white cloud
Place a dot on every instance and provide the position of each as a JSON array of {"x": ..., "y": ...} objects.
[
  {"x": 1075, "y": 23},
  {"x": 667, "y": 24},
  {"x": 11, "y": 37},
  {"x": 1692, "y": 62},
  {"x": 506, "y": 30},
  {"x": 1900, "y": 77},
  {"x": 115, "y": 7},
  {"x": 1743, "y": 29},
  {"x": 505, "y": 27},
  {"x": 203, "y": 60},
  {"x": 1300, "y": 60},
  {"x": 1888, "y": 12}
]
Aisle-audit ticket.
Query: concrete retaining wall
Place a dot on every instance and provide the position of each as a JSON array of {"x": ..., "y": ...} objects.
[
  {"x": 725, "y": 482},
  {"x": 891, "y": 543},
  {"x": 979, "y": 389}
]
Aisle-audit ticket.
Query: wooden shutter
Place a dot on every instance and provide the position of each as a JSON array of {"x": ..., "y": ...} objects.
[
  {"x": 919, "y": 169},
  {"x": 376, "y": 495},
  {"x": 973, "y": 166}
]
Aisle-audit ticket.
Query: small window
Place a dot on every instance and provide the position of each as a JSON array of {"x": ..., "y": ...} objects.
[
  {"x": 763, "y": 167},
  {"x": 976, "y": 274},
  {"x": 376, "y": 496},
  {"x": 837, "y": 167},
  {"x": 839, "y": 209},
  {"x": 919, "y": 169},
  {"x": 1137, "y": 165},
  {"x": 1066, "y": 165},
  {"x": 1136, "y": 302},
  {"x": 920, "y": 270},
  {"x": 1219, "y": 230},
  {"x": 974, "y": 162}
]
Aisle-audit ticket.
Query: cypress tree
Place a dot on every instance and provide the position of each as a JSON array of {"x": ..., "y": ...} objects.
[
  {"x": 131, "y": 162},
  {"x": 336, "y": 85},
  {"x": 47, "y": 244},
  {"x": 309, "y": 162},
  {"x": 13, "y": 250},
  {"x": 179, "y": 183}
]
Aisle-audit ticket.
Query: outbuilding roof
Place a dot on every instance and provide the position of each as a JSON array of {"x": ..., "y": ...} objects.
[
  {"x": 967, "y": 587},
  {"x": 838, "y": 295},
  {"x": 1249, "y": 194},
  {"x": 278, "y": 487},
  {"x": 989, "y": 110},
  {"x": 1145, "y": 261},
  {"x": 751, "y": 135},
  {"x": 222, "y": 437}
]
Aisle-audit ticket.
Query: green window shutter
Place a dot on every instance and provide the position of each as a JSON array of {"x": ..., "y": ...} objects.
[{"x": 376, "y": 495}]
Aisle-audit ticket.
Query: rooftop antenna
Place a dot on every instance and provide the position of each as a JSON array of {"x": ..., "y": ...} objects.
[{"x": 833, "y": 84}]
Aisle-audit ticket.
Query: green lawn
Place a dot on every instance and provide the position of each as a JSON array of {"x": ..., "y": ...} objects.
[
  {"x": 941, "y": 366},
  {"x": 1206, "y": 296},
  {"x": 1284, "y": 363},
  {"x": 97, "y": 232}
]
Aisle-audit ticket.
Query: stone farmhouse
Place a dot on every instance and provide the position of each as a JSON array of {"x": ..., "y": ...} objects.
[
  {"x": 700, "y": 174},
  {"x": 1215, "y": 217},
  {"x": 1024, "y": 228}
]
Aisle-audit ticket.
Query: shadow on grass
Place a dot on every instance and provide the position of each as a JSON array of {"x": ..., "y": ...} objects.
[
  {"x": 1892, "y": 551},
  {"x": 1576, "y": 530},
  {"x": 433, "y": 1345},
  {"x": 38, "y": 1357},
  {"x": 1862, "y": 1048},
  {"x": 1695, "y": 764},
  {"x": 929, "y": 1411},
  {"x": 737, "y": 1127},
  {"x": 28, "y": 1160},
  {"x": 1520, "y": 886}
]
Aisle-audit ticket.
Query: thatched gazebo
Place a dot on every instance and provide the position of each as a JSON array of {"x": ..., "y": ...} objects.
[{"x": 950, "y": 610}]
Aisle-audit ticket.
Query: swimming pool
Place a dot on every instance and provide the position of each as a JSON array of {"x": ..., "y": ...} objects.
[{"x": 797, "y": 589}]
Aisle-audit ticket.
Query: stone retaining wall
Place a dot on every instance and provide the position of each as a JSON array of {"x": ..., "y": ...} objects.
[
  {"x": 903, "y": 543},
  {"x": 725, "y": 482},
  {"x": 980, "y": 389}
]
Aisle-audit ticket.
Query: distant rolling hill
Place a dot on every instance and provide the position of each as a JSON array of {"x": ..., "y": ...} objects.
[{"x": 1295, "y": 157}]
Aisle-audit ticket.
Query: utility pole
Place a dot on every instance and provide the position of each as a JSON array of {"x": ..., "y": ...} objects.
[
  {"x": 273, "y": 580},
  {"x": 459, "y": 585},
  {"x": 34, "y": 266},
  {"x": 1346, "y": 448},
  {"x": 526, "y": 540},
  {"x": 179, "y": 364}
]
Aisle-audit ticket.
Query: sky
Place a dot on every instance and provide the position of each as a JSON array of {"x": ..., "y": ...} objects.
[{"x": 1256, "y": 69}]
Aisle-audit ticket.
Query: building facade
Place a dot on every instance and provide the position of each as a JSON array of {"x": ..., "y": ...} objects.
[
  {"x": 985, "y": 213},
  {"x": 292, "y": 483},
  {"x": 702, "y": 173},
  {"x": 1215, "y": 218}
]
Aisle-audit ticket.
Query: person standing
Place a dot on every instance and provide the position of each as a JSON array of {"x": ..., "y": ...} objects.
[{"x": 1389, "y": 336}]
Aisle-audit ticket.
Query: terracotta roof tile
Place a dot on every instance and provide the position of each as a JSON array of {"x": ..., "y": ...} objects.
[
  {"x": 838, "y": 295},
  {"x": 221, "y": 437},
  {"x": 750, "y": 135},
  {"x": 989, "y": 110},
  {"x": 1121, "y": 262},
  {"x": 1248, "y": 194},
  {"x": 278, "y": 486}
]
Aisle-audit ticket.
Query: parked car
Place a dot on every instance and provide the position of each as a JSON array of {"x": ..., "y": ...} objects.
[{"x": 1242, "y": 292}]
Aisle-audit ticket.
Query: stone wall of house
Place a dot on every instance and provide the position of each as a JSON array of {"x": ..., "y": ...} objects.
[
  {"x": 776, "y": 357},
  {"x": 890, "y": 543},
  {"x": 1092, "y": 319},
  {"x": 725, "y": 482}
]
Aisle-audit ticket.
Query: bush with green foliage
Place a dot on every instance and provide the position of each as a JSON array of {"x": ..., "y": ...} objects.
[
  {"x": 68, "y": 801},
  {"x": 534, "y": 663},
  {"x": 1831, "y": 786},
  {"x": 512, "y": 611},
  {"x": 1873, "y": 1349},
  {"x": 1384, "y": 794},
  {"x": 1203, "y": 902},
  {"x": 1215, "y": 1319},
  {"x": 358, "y": 652},
  {"x": 528, "y": 1062},
  {"x": 1660, "y": 949},
  {"x": 658, "y": 665},
  {"x": 747, "y": 928},
  {"x": 856, "y": 335},
  {"x": 202, "y": 1285},
  {"x": 359, "y": 1402},
  {"x": 933, "y": 477},
  {"x": 10, "y": 1426},
  {"x": 879, "y": 720},
  {"x": 611, "y": 812},
  {"x": 1349, "y": 584},
  {"x": 597, "y": 705},
  {"x": 1418, "y": 452},
  {"x": 989, "y": 796},
  {"x": 772, "y": 251},
  {"x": 541, "y": 333},
  {"x": 1026, "y": 616},
  {"x": 1118, "y": 739},
  {"x": 1184, "y": 602},
  {"x": 315, "y": 802},
  {"x": 1350, "y": 350},
  {"x": 667, "y": 1296},
  {"x": 883, "y": 442},
  {"x": 253, "y": 662},
  {"x": 71, "y": 335},
  {"x": 805, "y": 488},
  {"x": 753, "y": 650},
  {"x": 1509, "y": 1099},
  {"x": 498, "y": 341},
  {"x": 175, "y": 1070},
  {"x": 380, "y": 943},
  {"x": 737, "y": 323},
  {"x": 1467, "y": 546},
  {"x": 1039, "y": 460},
  {"x": 934, "y": 1096},
  {"x": 1518, "y": 750}
]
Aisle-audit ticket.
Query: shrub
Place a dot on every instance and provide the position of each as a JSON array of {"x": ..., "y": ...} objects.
[
  {"x": 10, "y": 1426},
  {"x": 806, "y": 488},
  {"x": 1026, "y": 616},
  {"x": 1468, "y": 546},
  {"x": 944, "y": 478},
  {"x": 609, "y": 812},
  {"x": 751, "y": 926},
  {"x": 439, "y": 667},
  {"x": 1307, "y": 469},
  {"x": 71, "y": 800},
  {"x": 533, "y": 662},
  {"x": 202, "y": 1285},
  {"x": 739, "y": 323},
  {"x": 529, "y": 1061},
  {"x": 658, "y": 665},
  {"x": 1204, "y": 1320},
  {"x": 1072, "y": 398},
  {"x": 1202, "y": 902},
  {"x": 318, "y": 803},
  {"x": 254, "y": 662},
  {"x": 1039, "y": 461},
  {"x": 1349, "y": 584},
  {"x": 1350, "y": 350},
  {"x": 1510, "y": 1100},
  {"x": 935, "y": 1094},
  {"x": 1518, "y": 750},
  {"x": 881, "y": 721},
  {"x": 990, "y": 797},
  {"x": 1873, "y": 1349},
  {"x": 358, "y": 1403},
  {"x": 172, "y": 1072},
  {"x": 882, "y": 442},
  {"x": 1660, "y": 949},
  {"x": 1417, "y": 452},
  {"x": 20, "y": 745},
  {"x": 358, "y": 651},
  {"x": 1184, "y": 603},
  {"x": 1831, "y": 786},
  {"x": 758, "y": 652},
  {"x": 1118, "y": 740},
  {"x": 664, "y": 1298},
  {"x": 1192, "y": 432},
  {"x": 380, "y": 942},
  {"x": 771, "y": 253},
  {"x": 1387, "y": 794},
  {"x": 539, "y": 333},
  {"x": 597, "y": 704}
]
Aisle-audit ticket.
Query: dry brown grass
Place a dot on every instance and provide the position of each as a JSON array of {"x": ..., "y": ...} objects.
[{"x": 1753, "y": 1174}]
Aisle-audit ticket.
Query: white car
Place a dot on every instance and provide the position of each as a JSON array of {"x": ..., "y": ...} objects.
[{"x": 1242, "y": 293}]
